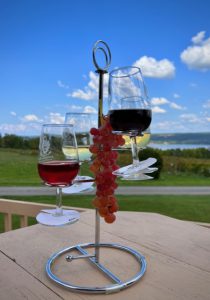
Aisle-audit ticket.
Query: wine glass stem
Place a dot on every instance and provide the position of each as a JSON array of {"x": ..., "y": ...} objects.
[
  {"x": 59, "y": 210},
  {"x": 134, "y": 150}
]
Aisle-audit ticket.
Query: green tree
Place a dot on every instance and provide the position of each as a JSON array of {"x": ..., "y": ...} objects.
[{"x": 12, "y": 141}]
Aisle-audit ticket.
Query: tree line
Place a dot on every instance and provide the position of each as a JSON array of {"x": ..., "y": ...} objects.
[
  {"x": 19, "y": 142},
  {"x": 202, "y": 153}
]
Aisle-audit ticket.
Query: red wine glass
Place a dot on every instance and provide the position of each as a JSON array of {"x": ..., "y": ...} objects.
[
  {"x": 129, "y": 110},
  {"x": 58, "y": 169}
]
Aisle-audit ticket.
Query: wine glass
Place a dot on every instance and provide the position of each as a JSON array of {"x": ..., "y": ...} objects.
[
  {"x": 82, "y": 123},
  {"x": 129, "y": 111},
  {"x": 57, "y": 169}
]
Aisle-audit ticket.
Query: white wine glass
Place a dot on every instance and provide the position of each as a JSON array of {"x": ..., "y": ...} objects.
[
  {"x": 58, "y": 170},
  {"x": 82, "y": 123},
  {"x": 129, "y": 111}
]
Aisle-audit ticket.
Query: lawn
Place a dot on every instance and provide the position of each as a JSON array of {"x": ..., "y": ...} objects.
[
  {"x": 19, "y": 168},
  {"x": 190, "y": 208}
]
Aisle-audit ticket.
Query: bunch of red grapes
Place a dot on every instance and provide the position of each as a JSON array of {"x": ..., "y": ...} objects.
[{"x": 103, "y": 165}]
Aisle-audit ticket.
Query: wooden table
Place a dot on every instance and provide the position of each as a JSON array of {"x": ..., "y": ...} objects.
[{"x": 177, "y": 254}]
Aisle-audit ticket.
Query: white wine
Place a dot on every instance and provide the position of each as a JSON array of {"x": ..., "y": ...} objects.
[
  {"x": 83, "y": 153},
  {"x": 141, "y": 141}
]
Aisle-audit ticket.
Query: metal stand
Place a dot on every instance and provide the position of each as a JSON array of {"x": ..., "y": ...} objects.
[
  {"x": 116, "y": 286},
  {"x": 117, "y": 283}
]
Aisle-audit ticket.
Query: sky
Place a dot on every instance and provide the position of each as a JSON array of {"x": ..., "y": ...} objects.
[{"x": 46, "y": 67}]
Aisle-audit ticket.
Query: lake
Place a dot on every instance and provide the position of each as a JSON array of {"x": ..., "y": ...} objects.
[{"x": 166, "y": 146}]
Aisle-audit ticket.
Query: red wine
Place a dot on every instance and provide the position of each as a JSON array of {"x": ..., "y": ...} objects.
[
  {"x": 58, "y": 173},
  {"x": 130, "y": 120}
]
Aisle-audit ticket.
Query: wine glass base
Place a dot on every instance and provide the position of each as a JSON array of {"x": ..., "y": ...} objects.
[
  {"x": 79, "y": 187},
  {"x": 131, "y": 170},
  {"x": 137, "y": 177},
  {"x": 47, "y": 217}
]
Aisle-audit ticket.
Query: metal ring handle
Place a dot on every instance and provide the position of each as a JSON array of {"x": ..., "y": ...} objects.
[{"x": 104, "y": 48}]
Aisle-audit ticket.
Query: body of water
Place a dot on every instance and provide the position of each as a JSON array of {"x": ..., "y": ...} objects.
[{"x": 166, "y": 146}]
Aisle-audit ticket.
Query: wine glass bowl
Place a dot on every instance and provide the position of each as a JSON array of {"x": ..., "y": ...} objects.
[
  {"x": 57, "y": 168},
  {"x": 82, "y": 125},
  {"x": 58, "y": 173},
  {"x": 129, "y": 106}
]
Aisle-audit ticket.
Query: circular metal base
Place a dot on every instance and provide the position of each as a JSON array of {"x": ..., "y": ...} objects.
[{"x": 117, "y": 284}]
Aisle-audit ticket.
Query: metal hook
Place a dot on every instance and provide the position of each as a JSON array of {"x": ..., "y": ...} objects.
[{"x": 103, "y": 47}]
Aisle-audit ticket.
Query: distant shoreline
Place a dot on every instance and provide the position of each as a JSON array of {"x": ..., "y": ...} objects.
[
  {"x": 167, "y": 146},
  {"x": 181, "y": 140}
]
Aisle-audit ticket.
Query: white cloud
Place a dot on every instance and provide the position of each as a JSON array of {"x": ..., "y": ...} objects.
[
  {"x": 90, "y": 109},
  {"x": 169, "y": 126},
  {"x": 93, "y": 83},
  {"x": 74, "y": 107},
  {"x": 158, "y": 110},
  {"x": 12, "y": 113},
  {"x": 12, "y": 128},
  {"x": 198, "y": 38},
  {"x": 56, "y": 118},
  {"x": 62, "y": 85},
  {"x": 163, "y": 68},
  {"x": 150, "y": 67},
  {"x": 184, "y": 123},
  {"x": 31, "y": 118},
  {"x": 207, "y": 104},
  {"x": 197, "y": 56},
  {"x": 176, "y": 106},
  {"x": 191, "y": 118},
  {"x": 20, "y": 129},
  {"x": 90, "y": 91},
  {"x": 159, "y": 101},
  {"x": 176, "y": 96},
  {"x": 81, "y": 109},
  {"x": 87, "y": 94}
]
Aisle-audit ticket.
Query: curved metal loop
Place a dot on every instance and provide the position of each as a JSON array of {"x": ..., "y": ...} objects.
[{"x": 104, "y": 48}]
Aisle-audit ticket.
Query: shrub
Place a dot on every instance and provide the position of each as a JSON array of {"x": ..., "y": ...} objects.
[{"x": 206, "y": 172}]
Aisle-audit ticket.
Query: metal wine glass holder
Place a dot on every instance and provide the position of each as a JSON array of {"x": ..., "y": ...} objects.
[{"x": 116, "y": 284}]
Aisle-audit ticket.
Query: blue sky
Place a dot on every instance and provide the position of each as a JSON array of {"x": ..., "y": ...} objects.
[{"x": 46, "y": 64}]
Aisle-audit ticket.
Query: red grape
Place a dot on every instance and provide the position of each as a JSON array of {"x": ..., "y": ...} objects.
[{"x": 103, "y": 166}]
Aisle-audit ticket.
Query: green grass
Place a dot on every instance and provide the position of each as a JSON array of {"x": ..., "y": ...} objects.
[
  {"x": 190, "y": 208},
  {"x": 168, "y": 179},
  {"x": 19, "y": 168}
]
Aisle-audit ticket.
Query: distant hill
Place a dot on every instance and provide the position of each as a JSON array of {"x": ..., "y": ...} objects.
[{"x": 182, "y": 138}]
